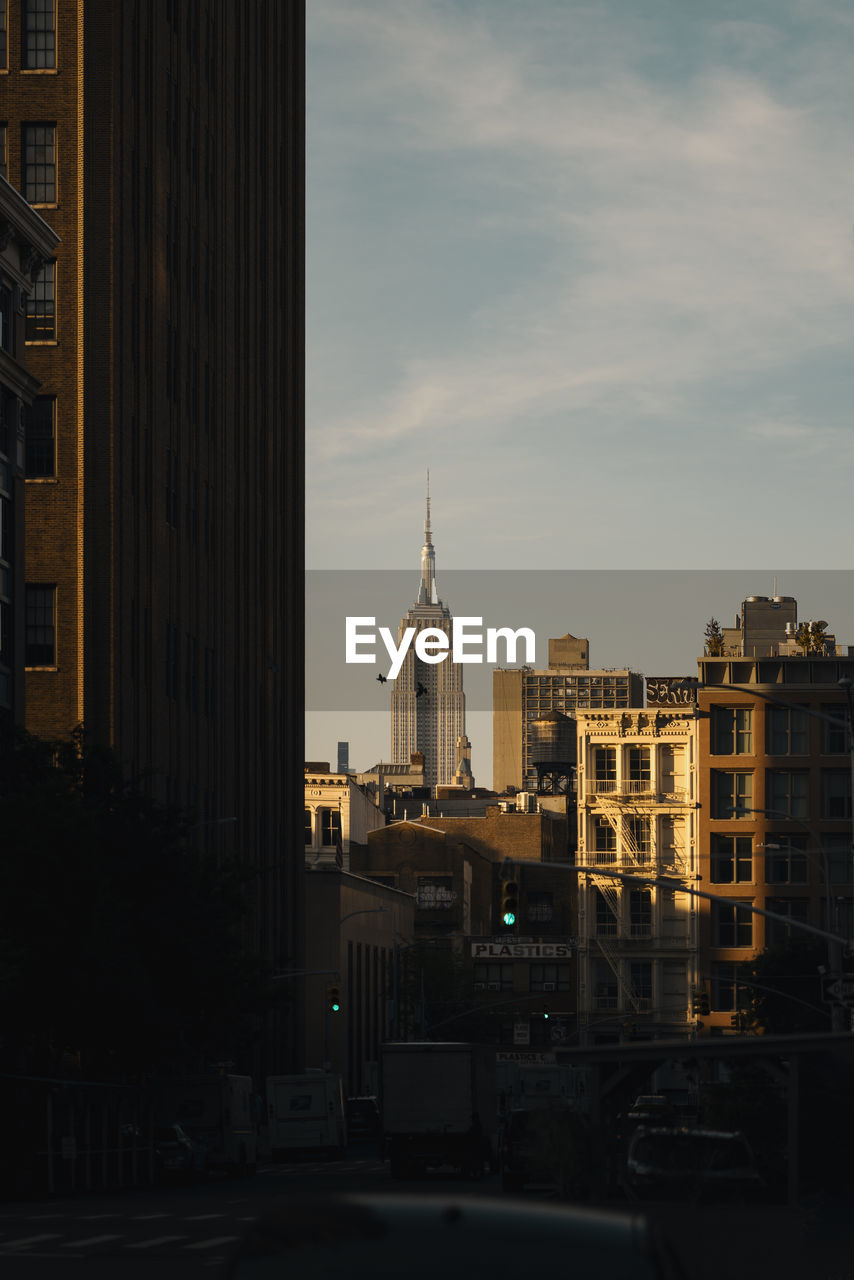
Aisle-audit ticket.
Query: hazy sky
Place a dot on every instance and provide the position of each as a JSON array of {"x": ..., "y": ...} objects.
[{"x": 593, "y": 264}]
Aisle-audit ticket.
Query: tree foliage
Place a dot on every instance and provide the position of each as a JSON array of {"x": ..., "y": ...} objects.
[
  {"x": 785, "y": 987},
  {"x": 120, "y": 943},
  {"x": 714, "y": 638}
]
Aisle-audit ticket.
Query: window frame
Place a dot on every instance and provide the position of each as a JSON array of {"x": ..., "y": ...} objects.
[
  {"x": 35, "y": 320},
  {"x": 733, "y": 855},
  {"x": 49, "y": 438},
  {"x": 780, "y": 728},
  {"x": 31, "y": 31},
  {"x": 30, "y": 185},
  {"x": 842, "y": 800},
  {"x": 31, "y": 624},
  {"x": 739, "y": 807},
  {"x": 732, "y": 731},
  {"x": 736, "y": 932},
  {"x": 787, "y": 803},
  {"x": 791, "y": 856}
]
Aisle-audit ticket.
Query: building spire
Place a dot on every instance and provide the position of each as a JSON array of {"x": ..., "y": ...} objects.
[{"x": 427, "y": 589}]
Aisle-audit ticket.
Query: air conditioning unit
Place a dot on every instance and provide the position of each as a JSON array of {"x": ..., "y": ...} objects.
[
  {"x": 549, "y": 986},
  {"x": 480, "y": 986},
  {"x": 493, "y": 986}
]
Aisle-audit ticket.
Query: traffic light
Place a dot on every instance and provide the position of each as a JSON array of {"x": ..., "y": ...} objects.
[
  {"x": 333, "y": 998},
  {"x": 546, "y": 1012},
  {"x": 509, "y": 903},
  {"x": 700, "y": 1003}
]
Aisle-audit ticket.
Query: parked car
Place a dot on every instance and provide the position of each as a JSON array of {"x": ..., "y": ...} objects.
[
  {"x": 176, "y": 1155},
  {"x": 679, "y": 1163},
  {"x": 651, "y": 1108},
  {"x": 545, "y": 1147},
  {"x": 364, "y": 1123}
]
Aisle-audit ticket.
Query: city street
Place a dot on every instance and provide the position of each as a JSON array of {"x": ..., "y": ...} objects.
[{"x": 178, "y": 1231}]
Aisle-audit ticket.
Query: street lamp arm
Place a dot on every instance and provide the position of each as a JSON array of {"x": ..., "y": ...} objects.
[
  {"x": 664, "y": 882},
  {"x": 767, "y": 697}
]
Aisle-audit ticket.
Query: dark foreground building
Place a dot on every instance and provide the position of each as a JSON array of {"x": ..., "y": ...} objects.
[{"x": 164, "y": 547}]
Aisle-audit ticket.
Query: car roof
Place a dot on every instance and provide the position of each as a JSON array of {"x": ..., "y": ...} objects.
[{"x": 357, "y": 1236}]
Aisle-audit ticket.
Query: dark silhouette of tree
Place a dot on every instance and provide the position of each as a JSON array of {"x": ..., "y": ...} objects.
[
  {"x": 785, "y": 987},
  {"x": 120, "y": 943}
]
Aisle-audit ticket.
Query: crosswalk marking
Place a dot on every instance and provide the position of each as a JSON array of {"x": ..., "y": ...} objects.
[
  {"x": 209, "y": 1244},
  {"x": 149, "y": 1244},
  {"x": 14, "y": 1244},
  {"x": 147, "y": 1217},
  {"x": 200, "y": 1217},
  {"x": 79, "y": 1244}
]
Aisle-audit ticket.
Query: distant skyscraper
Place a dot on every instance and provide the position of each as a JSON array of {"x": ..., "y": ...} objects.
[
  {"x": 428, "y": 706},
  {"x": 343, "y": 757}
]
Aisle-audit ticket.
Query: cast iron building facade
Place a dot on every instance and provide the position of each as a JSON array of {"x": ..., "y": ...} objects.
[{"x": 164, "y": 143}]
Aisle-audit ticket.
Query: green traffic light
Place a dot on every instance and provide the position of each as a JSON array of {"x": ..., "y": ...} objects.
[{"x": 509, "y": 917}]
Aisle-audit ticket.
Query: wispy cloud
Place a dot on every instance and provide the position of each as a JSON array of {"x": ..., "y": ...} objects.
[{"x": 685, "y": 224}]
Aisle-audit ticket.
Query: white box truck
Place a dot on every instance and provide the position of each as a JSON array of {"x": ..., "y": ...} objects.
[
  {"x": 218, "y": 1112},
  {"x": 305, "y": 1114},
  {"x": 439, "y": 1106}
]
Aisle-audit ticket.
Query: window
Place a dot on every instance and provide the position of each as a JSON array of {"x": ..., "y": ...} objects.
[
  {"x": 727, "y": 994},
  {"x": 435, "y": 893},
  {"x": 640, "y": 913},
  {"x": 732, "y": 924},
  {"x": 639, "y": 768},
  {"x": 4, "y": 28},
  {"x": 786, "y": 792},
  {"x": 605, "y": 768},
  {"x": 41, "y": 306},
  {"x": 835, "y": 735},
  {"x": 786, "y": 860},
  {"x": 636, "y": 833},
  {"x": 605, "y": 986},
  {"x": 6, "y": 315},
  {"x": 40, "y": 626},
  {"x": 836, "y": 793},
  {"x": 640, "y": 977},
  {"x": 837, "y": 851},
  {"x": 38, "y": 34},
  {"x": 776, "y": 931},
  {"x": 39, "y": 163},
  {"x": 732, "y": 731},
  {"x": 493, "y": 975},
  {"x": 732, "y": 794},
  {"x": 7, "y": 421},
  {"x": 330, "y": 827},
  {"x": 731, "y": 859},
  {"x": 5, "y": 528},
  {"x": 606, "y": 921},
  {"x": 604, "y": 840},
  {"x": 786, "y": 731},
  {"x": 308, "y": 826},
  {"x": 540, "y": 907},
  {"x": 548, "y": 977},
  {"x": 41, "y": 438}
]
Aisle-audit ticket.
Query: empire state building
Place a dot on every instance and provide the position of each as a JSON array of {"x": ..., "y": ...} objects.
[{"x": 428, "y": 706}]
